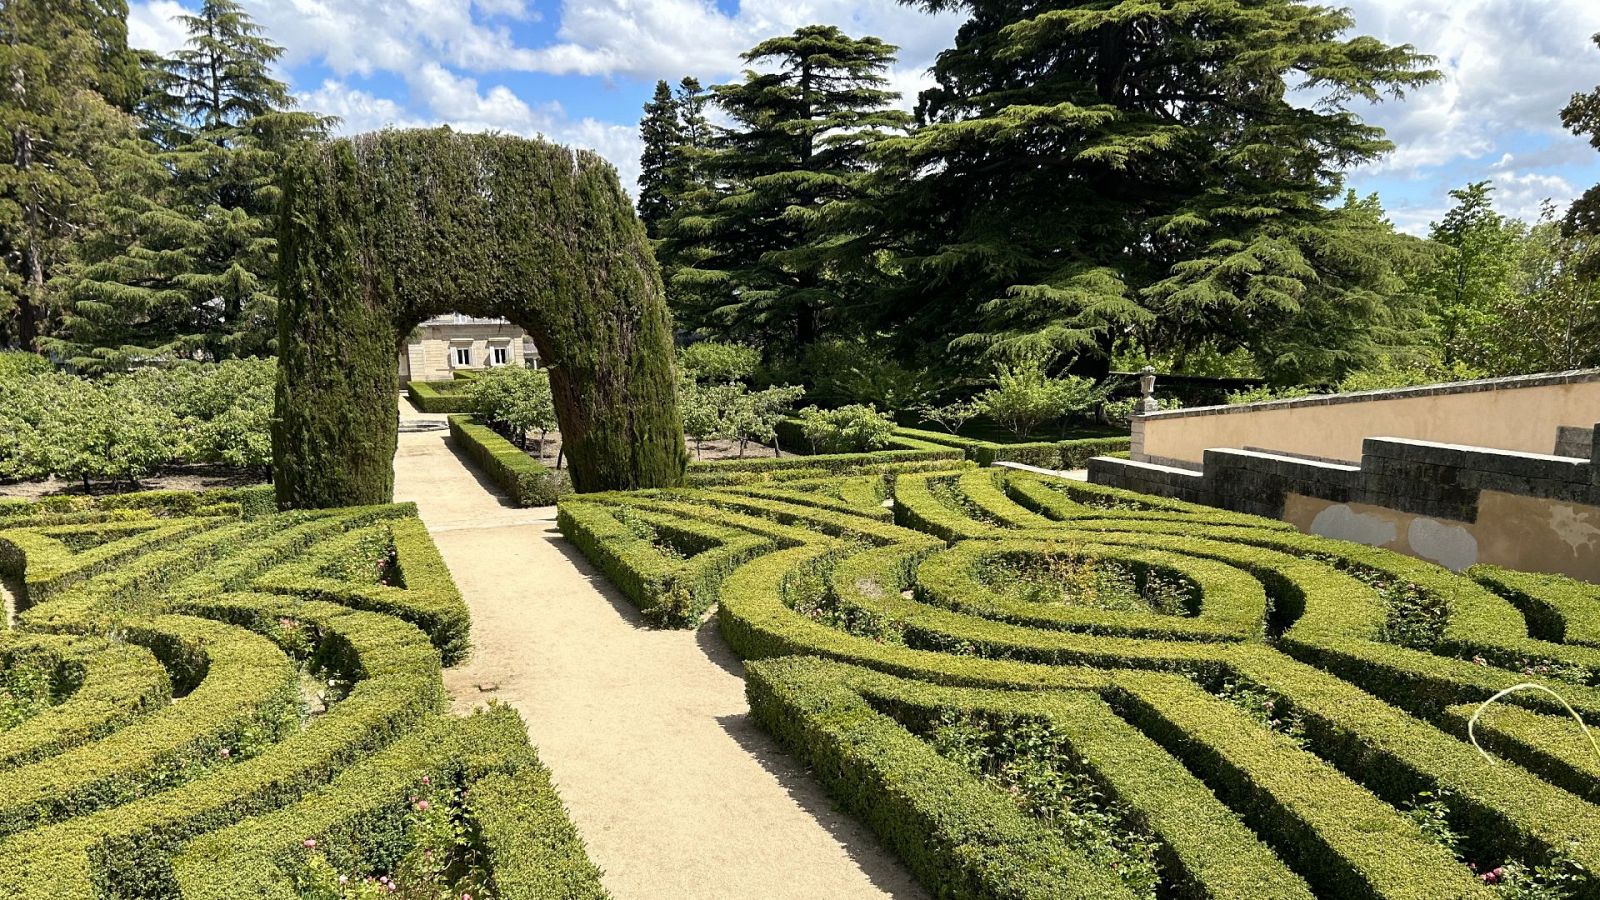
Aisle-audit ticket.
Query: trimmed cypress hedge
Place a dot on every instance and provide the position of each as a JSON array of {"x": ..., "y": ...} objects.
[
  {"x": 380, "y": 231},
  {"x": 524, "y": 479}
]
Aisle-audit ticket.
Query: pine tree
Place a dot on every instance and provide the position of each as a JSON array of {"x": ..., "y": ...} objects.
[
  {"x": 755, "y": 263},
  {"x": 56, "y": 58},
  {"x": 1088, "y": 169},
  {"x": 661, "y": 133},
  {"x": 187, "y": 270},
  {"x": 697, "y": 135}
]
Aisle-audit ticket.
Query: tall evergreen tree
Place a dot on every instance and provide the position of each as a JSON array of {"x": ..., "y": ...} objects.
[
  {"x": 187, "y": 270},
  {"x": 754, "y": 261},
  {"x": 1085, "y": 168},
  {"x": 60, "y": 61},
  {"x": 659, "y": 175}
]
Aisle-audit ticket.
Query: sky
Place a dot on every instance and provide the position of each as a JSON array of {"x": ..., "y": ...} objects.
[{"x": 579, "y": 71}]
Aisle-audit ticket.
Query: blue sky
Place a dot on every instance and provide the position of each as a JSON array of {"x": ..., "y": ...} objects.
[{"x": 578, "y": 71}]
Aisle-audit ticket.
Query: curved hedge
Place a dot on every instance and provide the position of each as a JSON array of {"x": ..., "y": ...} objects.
[
  {"x": 1242, "y": 710},
  {"x": 382, "y": 230},
  {"x": 223, "y": 689}
]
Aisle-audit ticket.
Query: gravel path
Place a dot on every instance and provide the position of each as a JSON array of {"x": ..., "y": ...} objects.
[{"x": 677, "y": 793}]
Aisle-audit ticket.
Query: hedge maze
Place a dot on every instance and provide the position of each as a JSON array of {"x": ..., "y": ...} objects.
[
  {"x": 1039, "y": 688},
  {"x": 204, "y": 699}
]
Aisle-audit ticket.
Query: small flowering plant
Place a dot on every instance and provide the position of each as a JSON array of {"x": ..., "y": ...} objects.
[{"x": 440, "y": 860}]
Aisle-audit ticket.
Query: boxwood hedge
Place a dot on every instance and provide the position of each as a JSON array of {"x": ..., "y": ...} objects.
[
  {"x": 1266, "y": 713},
  {"x": 183, "y": 751}
]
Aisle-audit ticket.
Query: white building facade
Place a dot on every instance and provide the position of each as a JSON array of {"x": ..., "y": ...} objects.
[{"x": 445, "y": 345}]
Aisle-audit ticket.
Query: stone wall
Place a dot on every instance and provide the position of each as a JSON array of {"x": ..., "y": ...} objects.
[
  {"x": 1532, "y": 414},
  {"x": 1454, "y": 504}
]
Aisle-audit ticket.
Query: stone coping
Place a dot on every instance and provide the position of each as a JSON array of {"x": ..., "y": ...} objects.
[{"x": 1515, "y": 382}]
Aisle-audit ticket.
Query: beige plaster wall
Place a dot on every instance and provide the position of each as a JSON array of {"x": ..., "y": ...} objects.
[
  {"x": 1510, "y": 418},
  {"x": 1526, "y": 533},
  {"x": 430, "y": 354}
]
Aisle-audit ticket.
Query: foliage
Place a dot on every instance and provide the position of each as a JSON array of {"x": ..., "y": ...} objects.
[
  {"x": 849, "y": 429},
  {"x": 15, "y": 364},
  {"x": 748, "y": 258},
  {"x": 1121, "y": 412},
  {"x": 167, "y": 596},
  {"x": 661, "y": 133},
  {"x": 1510, "y": 297},
  {"x": 69, "y": 427},
  {"x": 183, "y": 268},
  {"x": 718, "y": 361},
  {"x": 1034, "y": 764},
  {"x": 734, "y": 412},
  {"x": 63, "y": 102},
  {"x": 861, "y": 370},
  {"x": 126, "y": 427},
  {"x": 383, "y": 230},
  {"x": 514, "y": 399},
  {"x": 1551, "y": 319},
  {"x": 950, "y": 416},
  {"x": 1581, "y": 116},
  {"x": 1025, "y": 396},
  {"x": 1082, "y": 172},
  {"x": 1266, "y": 394},
  {"x": 1386, "y": 374},
  {"x": 1363, "y": 303},
  {"x": 1258, "y": 775},
  {"x": 1475, "y": 278}
]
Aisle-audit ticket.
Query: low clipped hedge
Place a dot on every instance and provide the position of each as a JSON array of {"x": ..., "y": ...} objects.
[
  {"x": 185, "y": 649},
  {"x": 1068, "y": 454},
  {"x": 964, "y": 838},
  {"x": 520, "y": 823},
  {"x": 1557, "y": 608},
  {"x": 525, "y": 480},
  {"x": 1310, "y": 695},
  {"x": 440, "y": 396},
  {"x": 670, "y": 591},
  {"x": 827, "y": 463},
  {"x": 117, "y": 683}
]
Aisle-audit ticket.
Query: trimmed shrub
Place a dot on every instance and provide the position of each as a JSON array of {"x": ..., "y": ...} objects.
[
  {"x": 524, "y": 479},
  {"x": 440, "y": 396},
  {"x": 1185, "y": 679},
  {"x": 381, "y": 230},
  {"x": 225, "y": 688}
]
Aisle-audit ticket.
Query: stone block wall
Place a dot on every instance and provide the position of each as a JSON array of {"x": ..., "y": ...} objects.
[{"x": 1527, "y": 510}]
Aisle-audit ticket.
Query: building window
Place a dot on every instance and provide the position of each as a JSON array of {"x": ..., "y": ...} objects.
[
  {"x": 463, "y": 356},
  {"x": 500, "y": 357}
]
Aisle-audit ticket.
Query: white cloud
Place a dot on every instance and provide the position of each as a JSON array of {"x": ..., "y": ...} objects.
[
  {"x": 666, "y": 38},
  {"x": 454, "y": 100},
  {"x": 1509, "y": 66},
  {"x": 363, "y": 36},
  {"x": 155, "y": 26},
  {"x": 1522, "y": 195},
  {"x": 358, "y": 110}
]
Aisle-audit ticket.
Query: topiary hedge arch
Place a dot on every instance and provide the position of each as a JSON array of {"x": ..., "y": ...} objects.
[{"x": 380, "y": 231}]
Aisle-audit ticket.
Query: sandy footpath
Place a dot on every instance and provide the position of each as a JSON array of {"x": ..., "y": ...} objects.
[{"x": 677, "y": 793}]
